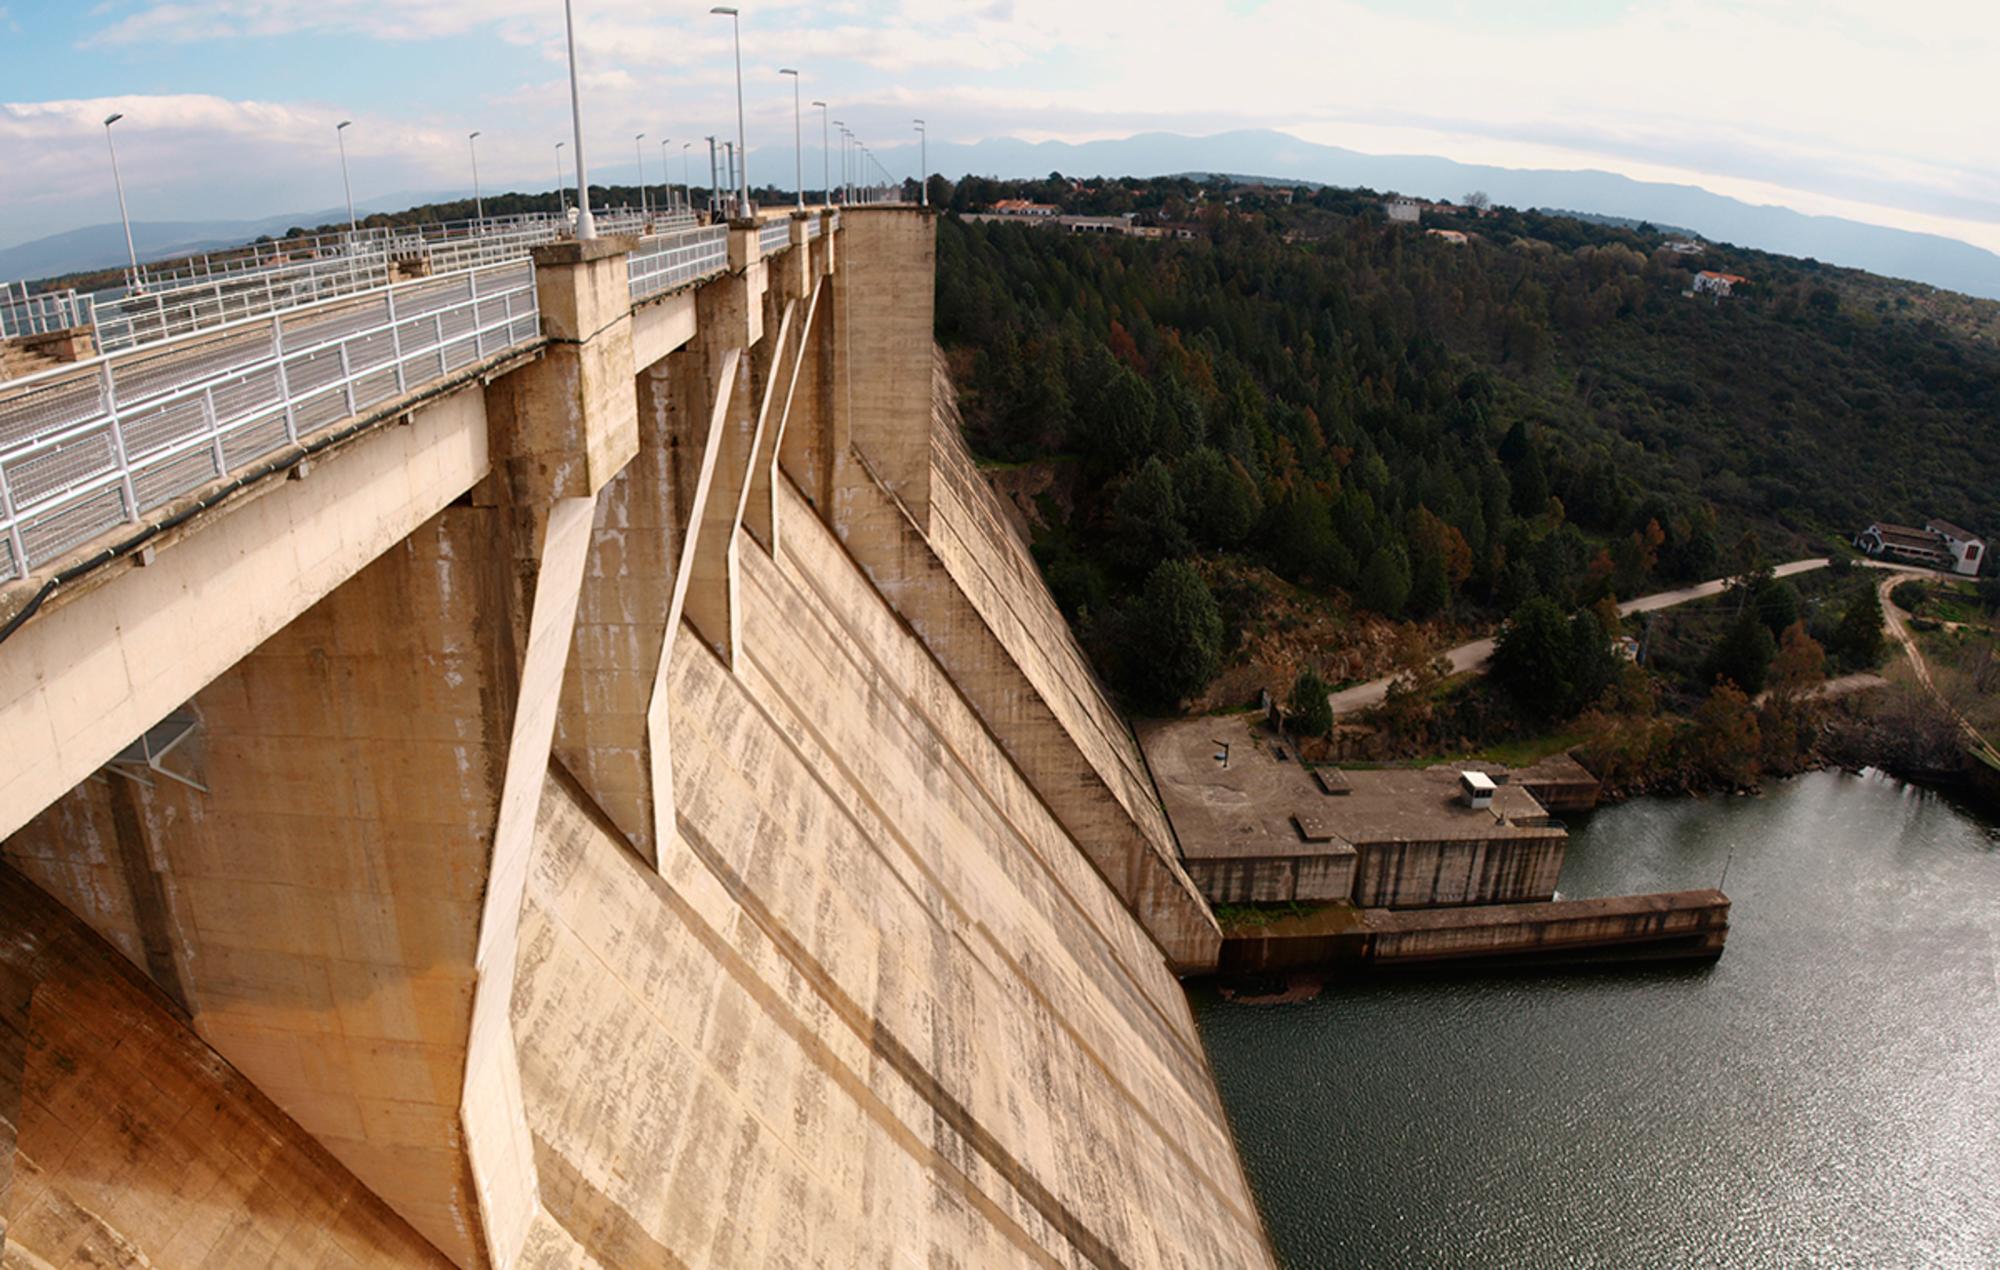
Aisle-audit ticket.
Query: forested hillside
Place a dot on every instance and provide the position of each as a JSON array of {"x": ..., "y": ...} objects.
[{"x": 1438, "y": 428}]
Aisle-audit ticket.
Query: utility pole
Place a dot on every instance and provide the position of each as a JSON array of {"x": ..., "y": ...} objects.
[
  {"x": 923, "y": 165},
  {"x": 562, "y": 200},
  {"x": 711, "y": 177}
]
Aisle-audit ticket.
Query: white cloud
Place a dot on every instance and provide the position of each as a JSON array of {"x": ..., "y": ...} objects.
[{"x": 1879, "y": 110}]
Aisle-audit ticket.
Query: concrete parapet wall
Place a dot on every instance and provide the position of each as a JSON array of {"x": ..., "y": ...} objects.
[{"x": 1508, "y": 870}]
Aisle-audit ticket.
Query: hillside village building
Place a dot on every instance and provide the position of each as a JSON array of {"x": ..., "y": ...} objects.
[
  {"x": 1405, "y": 211},
  {"x": 1709, "y": 282},
  {"x": 1938, "y": 545}
]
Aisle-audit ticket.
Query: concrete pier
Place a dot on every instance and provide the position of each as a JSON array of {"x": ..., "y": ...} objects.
[{"x": 1668, "y": 926}]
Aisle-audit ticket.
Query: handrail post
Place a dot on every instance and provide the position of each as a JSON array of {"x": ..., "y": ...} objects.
[
  {"x": 396, "y": 343},
  {"x": 214, "y": 430},
  {"x": 284, "y": 380},
  {"x": 128, "y": 491},
  {"x": 14, "y": 540}
]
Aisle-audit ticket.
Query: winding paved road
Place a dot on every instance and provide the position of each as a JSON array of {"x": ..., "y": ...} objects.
[{"x": 1473, "y": 656}]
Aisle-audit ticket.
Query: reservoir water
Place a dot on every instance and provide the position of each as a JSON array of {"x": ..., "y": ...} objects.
[{"x": 1826, "y": 1094}]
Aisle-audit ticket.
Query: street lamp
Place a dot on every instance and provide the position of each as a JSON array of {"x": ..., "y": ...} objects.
[
  {"x": 131, "y": 282},
  {"x": 687, "y": 190},
  {"x": 743, "y": 171},
  {"x": 844, "y": 191},
  {"x": 923, "y": 165},
  {"x": 825, "y": 170},
  {"x": 340, "y": 135},
  {"x": 585, "y": 227},
  {"x": 729, "y": 170},
  {"x": 640, "y": 157},
  {"x": 798, "y": 149},
  {"x": 666, "y": 181},
  {"x": 478, "y": 206},
  {"x": 711, "y": 176},
  {"x": 562, "y": 200}
]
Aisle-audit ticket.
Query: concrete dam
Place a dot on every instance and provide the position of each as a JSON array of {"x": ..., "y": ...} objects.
[{"x": 558, "y": 760}]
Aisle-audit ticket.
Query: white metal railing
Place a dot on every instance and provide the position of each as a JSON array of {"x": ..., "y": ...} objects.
[
  {"x": 24, "y": 314},
  {"x": 773, "y": 236},
  {"x": 209, "y": 290},
  {"x": 87, "y": 447},
  {"x": 666, "y": 261},
  {"x": 812, "y": 226},
  {"x": 129, "y": 320}
]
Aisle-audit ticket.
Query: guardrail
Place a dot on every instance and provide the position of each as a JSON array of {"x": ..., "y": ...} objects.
[
  {"x": 217, "y": 288},
  {"x": 666, "y": 261},
  {"x": 773, "y": 236},
  {"x": 87, "y": 447},
  {"x": 24, "y": 314}
]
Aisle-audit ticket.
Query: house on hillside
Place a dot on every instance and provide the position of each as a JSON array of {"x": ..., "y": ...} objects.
[
  {"x": 1683, "y": 247},
  {"x": 1709, "y": 282},
  {"x": 1022, "y": 207},
  {"x": 1938, "y": 545},
  {"x": 1405, "y": 211},
  {"x": 1967, "y": 552},
  {"x": 1449, "y": 235}
]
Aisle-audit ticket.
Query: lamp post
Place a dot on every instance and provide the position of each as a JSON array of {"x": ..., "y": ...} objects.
[
  {"x": 711, "y": 176},
  {"x": 687, "y": 190},
  {"x": 843, "y": 162},
  {"x": 798, "y": 149},
  {"x": 132, "y": 280},
  {"x": 562, "y": 200},
  {"x": 585, "y": 226},
  {"x": 729, "y": 173},
  {"x": 666, "y": 181},
  {"x": 340, "y": 135},
  {"x": 478, "y": 205},
  {"x": 742, "y": 149},
  {"x": 639, "y": 157},
  {"x": 825, "y": 162},
  {"x": 923, "y": 165}
]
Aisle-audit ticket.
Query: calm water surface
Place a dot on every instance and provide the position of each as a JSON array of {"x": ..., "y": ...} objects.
[{"x": 1828, "y": 1094}]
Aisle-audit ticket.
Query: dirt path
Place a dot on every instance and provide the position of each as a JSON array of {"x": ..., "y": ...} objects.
[
  {"x": 1473, "y": 656},
  {"x": 1899, "y": 631}
]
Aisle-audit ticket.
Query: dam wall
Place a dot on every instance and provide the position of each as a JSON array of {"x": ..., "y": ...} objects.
[{"x": 654, "y": 853}]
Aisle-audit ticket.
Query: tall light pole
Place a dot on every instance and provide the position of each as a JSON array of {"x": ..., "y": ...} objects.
[
  {"x": 742, "y": 148},
  {"x": 825, "y": 161},
  {"x": 729, "y": 172},
  {"x": 562, "y": 200},
  {"x": 687, "y": 189},
  {"x": 711, "y": 176},
  {"x": 585, "y": 227},
  {"x": 132, "y": 281},
  {"x": 798, "y": 149},
  {"x": 478, "y": 205},
  {"x": 843, "y": 161},
  {"x": 639, "y": 157},
  {"x": 923, "y": 165},
  {"x": 340, "y": 135},
  {"x": 666, "y": 181}
]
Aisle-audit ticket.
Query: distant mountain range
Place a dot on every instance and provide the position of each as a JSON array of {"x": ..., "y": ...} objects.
[
  {"x": 1931, "y": 258},
  {"x": 103, "y": 246}
]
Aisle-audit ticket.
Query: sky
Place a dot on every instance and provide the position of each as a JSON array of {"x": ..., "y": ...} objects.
[{"x": 1882, "y": 112}]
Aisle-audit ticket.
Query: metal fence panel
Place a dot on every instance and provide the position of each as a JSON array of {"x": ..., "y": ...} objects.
[
  {"x": 668, "y": 261},
  {"x": 87, "y": 447}
]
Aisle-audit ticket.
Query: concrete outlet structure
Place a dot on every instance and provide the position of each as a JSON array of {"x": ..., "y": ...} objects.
[{"x": 623, "y": 797}]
